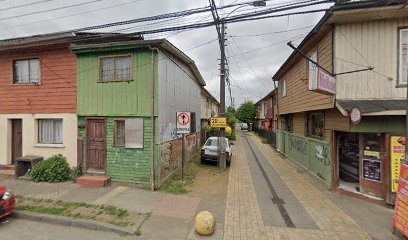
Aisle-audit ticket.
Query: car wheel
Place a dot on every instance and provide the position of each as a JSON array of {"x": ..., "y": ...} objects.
[{"x": 229, "y": 162}]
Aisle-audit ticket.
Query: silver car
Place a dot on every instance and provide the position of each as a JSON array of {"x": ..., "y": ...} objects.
[{"x": 209, "y": 152}]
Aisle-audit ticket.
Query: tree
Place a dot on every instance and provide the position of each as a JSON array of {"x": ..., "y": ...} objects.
[
  {"x": 230, "y": 114},
  {"x": 246, "y": 112}
]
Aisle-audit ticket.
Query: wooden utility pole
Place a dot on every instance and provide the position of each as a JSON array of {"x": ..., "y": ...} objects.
[{"x": 222, "y": 160}]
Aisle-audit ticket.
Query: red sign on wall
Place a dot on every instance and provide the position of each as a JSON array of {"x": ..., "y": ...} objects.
[{"x": 400, "y": 221}]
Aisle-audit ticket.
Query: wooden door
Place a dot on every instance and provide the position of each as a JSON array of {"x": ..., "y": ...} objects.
[
  {"x": 96, "y": 144},
  {"x": 16, "y": 139}
]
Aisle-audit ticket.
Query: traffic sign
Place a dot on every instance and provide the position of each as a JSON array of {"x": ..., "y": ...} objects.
[
  {"x": 183, "y": 122},
  {"x": 218, "y": 122}
]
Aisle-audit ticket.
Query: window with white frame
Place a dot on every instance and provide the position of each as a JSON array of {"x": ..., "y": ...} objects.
[
  {"x": 116, "y": 68},
  {"x": 26, "y": 71},
  {"x": 283, "y": 88},
  {"x": 50, "y": 131},
  {"x": 403, "y": 57}
]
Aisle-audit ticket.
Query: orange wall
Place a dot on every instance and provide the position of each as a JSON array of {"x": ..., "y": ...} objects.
[{"x": 56, "y": 92}]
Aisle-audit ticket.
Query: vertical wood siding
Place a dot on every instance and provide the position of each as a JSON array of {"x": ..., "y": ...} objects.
[
  {"x": 298, "y": 98},
  {"x": 115, "y": 98},
  {"x": 368, "y": 44},
  {"x": 299, "y": 124},
  {"x": 56, "y": 92}
]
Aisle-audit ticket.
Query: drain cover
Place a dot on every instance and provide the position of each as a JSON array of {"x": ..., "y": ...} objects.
[{"x": 278, "y": 201}]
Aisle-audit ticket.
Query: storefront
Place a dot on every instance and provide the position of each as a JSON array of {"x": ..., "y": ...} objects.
[{"x": 368, "y": 157}]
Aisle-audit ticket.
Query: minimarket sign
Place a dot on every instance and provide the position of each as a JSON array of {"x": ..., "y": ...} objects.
[{"x": 319, "y": 80}]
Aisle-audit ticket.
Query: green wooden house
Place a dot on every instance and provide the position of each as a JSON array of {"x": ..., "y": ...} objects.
[{"x": 124, "y": 127}]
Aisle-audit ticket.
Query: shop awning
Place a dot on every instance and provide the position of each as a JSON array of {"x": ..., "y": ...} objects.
[{"x": 374, "y": 107}]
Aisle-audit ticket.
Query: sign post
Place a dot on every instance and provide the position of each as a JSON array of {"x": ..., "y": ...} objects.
[{"x": 183, "y": 127}]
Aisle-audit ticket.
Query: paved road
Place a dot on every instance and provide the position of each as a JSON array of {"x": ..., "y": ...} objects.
[{"x": 17, "y": 229}]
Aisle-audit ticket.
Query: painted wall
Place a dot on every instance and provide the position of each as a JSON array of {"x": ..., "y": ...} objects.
[
  {"x": 56, "y": 92},
  {"x": 178, "y": 91},
  {"x": 357, "y": 46},
  {"x": 30, "y": 137},
  {"x": 312, "y": 154},
  {"x": 124, "y": 165},
  {"x": 115, "y": 98},
  {"x": 207, "y": 106}
]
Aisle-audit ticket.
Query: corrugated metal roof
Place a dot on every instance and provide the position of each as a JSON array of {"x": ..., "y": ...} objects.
[{"x": 369, "y": 106}]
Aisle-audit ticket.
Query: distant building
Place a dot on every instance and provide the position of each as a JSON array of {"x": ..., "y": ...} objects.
[
  {"x": 266, "y": 115},
  {"x": 210, "y": 107}
]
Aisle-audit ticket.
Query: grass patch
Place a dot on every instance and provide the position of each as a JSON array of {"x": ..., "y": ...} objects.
[
  {"x": 78, "y": 210},
  {"x": 175, "y": 185},
  {"x": 264, "y": 141}
]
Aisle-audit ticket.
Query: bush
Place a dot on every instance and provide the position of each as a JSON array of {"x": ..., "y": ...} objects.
[
  {"x": 54, "y": 169},
  {"x": 76, "y": 172}
]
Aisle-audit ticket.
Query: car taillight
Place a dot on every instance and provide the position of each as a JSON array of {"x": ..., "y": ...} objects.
[
  {"x": 202, "y": 151},
  {"x": 227, "y": 154}
]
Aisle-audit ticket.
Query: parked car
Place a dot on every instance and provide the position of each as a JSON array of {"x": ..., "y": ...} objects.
[
  {"x": 7, "y": 201},
  {"x": 244, "y": 126},
  {"x": 209, "y": 152}
]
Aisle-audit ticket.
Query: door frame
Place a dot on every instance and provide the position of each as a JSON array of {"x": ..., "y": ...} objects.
[
  {"x": 12, "y": 120},
  {"x": 86, "y": 147}
]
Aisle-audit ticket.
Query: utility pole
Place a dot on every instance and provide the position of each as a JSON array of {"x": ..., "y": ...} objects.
[{"x": 222, "y": 160}]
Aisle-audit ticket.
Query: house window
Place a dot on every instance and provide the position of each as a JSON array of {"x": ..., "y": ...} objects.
[
  {"x": 117, "y": 68},
  {"x": 288, "y": 122},
  {"x": 128, "y": 133},
  {"x": 50, "y": 131},
  {"x": 193, "y": 125},
  {"x": 283, "y": 88},
  {"x": 315, "y": 124},
  {"x": 403, "y": 57},
  {"x": 119, "y": 133},
  {"x": 270, "y": 103},
  {"x": 26, "y": 71}
]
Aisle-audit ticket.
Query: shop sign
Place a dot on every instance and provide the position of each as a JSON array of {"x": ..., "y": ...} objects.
[
  {"x": 372, "y": 170},
  {"x": 218, "y": 122},
  {"x": 355, "y": 115},
  {"x": 319, "y": 80},
  {"x": 400, "y": 220},
  {"x": 397, "y": 155}
]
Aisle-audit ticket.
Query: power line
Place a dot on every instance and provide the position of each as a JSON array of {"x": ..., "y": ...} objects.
[
  {"x": 71, "y": 15},
  {"x": 50, "y": 10},
  {"x": 25, "y": 5},
  {"x": 271, "y": 33}
]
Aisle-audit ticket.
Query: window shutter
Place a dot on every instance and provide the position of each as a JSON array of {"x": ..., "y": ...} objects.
[{"x": 134, "y": 133}]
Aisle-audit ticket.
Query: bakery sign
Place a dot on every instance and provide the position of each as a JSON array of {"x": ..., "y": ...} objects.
[{"x": 319, "y": 80}]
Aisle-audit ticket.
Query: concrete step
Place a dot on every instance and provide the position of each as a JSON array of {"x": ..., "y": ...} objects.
[
  {"x": 7, "y": 171},
  {"x": 93, "y": 181}
]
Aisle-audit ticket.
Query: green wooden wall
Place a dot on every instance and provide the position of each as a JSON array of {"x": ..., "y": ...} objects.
[
  {"x": 125, "y": 165},
  {"x": 115, "y": 98},
  {"x": 313, "y": 154}
]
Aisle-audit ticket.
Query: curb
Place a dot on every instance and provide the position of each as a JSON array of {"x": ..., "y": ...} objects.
[{"x": 79, "y": 223}]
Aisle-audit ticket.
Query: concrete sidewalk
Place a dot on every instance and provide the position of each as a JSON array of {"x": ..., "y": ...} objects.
[
  {"x": 171, "y": 216},
  {"x": 244, "y": 219}
]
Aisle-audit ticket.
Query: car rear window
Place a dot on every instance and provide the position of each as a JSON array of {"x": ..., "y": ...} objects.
[{"x": 212, "y": 142}]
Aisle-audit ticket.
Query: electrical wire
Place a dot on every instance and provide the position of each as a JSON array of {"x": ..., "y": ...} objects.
[{"x": 25, "y": 5}]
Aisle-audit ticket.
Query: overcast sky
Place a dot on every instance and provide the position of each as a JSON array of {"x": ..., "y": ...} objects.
[{"x": 252, "y": 59}]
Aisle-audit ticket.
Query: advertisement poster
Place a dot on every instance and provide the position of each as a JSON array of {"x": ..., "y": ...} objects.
[
  {"x": 400, "y": 220},
  {"x": 397, "y": 154},
  {"x": 372, "y": 170}
]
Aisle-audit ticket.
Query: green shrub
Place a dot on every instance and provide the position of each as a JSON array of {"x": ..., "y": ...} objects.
[
  {"x": 75, "y": 173},
  {"x": 54, "y": 169},
  {"x": 232, "y": 136}
]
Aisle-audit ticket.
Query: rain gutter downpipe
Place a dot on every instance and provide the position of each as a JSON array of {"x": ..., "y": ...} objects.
[{"x": 152, "y": 178}]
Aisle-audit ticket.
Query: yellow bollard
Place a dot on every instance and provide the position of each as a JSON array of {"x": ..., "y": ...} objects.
[{"x": 205, "y": 223}]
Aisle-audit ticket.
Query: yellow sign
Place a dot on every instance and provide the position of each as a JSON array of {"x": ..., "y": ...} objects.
[
  {"x": 397, "y": 154},
  {"x": 218, "y": 122}
]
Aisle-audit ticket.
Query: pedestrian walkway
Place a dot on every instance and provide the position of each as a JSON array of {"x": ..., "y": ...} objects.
[{"x": 243, "y": 217}]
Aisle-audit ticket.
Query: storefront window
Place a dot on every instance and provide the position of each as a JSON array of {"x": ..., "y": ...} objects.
[{"x": 315, "y": 124}]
